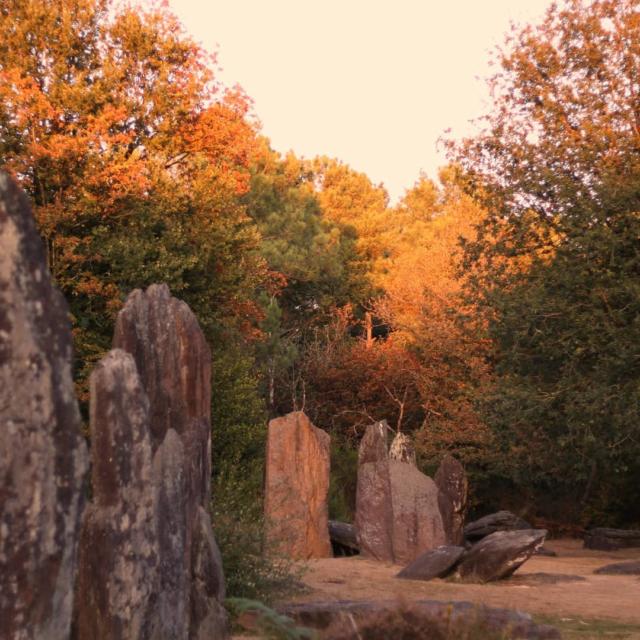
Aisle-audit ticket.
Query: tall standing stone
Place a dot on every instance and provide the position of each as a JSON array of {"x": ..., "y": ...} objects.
[
  {"x": 374, "y": 510},
  {"x": 174, "y": 364},
  {"x": 453, "y": 485},
  {"x": 118, "y": 560},
  {"x": 296, "y": 487},
  {"x": 397, "y": 512},
  {"x": 43, "y": 458}
]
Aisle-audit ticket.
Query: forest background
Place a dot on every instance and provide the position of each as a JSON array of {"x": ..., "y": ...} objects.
[{"x": 494, "y": 315}]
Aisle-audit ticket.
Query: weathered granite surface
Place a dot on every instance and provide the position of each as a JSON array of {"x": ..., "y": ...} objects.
[
  {"x": 117, "y": 582},
  {"x": 397, "y": 512},
  {"x": 453, "y": 485},
  {"x": 174, "y": 365},
  {"x": 296, "y": 487},
  {"x": 43, "y": 457}
]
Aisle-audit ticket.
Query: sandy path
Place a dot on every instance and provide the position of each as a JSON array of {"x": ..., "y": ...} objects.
[{"x": 595, "y": 596}]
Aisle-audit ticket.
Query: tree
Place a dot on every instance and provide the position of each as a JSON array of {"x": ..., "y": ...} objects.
[
  {"x": 314, "y": 264},
  {"x": 555, "y": 266},
  {"x": 349, "y": 198},
  {"x": 135, "y": 159},
  {"x": 423, "y": 303}
]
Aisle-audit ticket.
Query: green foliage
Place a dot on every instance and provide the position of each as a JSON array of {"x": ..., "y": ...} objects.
[
  {"x": 555, "y": 266},
  {"x": 269, "y": 623},
  {"x": 238, "y": 413},
  {"x": 251, "y": 569},
  {"x": 407, "y": 622},
  {"x": 343, "y": 481}
]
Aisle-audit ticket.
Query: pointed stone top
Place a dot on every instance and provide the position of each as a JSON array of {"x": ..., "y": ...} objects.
[
  {"x": 402, "y": 449},
  {"x": 373, "y": 446},
  {"x": 172, "y": 356}
]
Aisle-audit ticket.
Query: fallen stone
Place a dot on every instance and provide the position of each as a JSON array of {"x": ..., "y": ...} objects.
[
  {"x": 344, "y": 538},
  {"x": 374, "y": 510},
  {"x": 369, "y": 620},
  {"x": 296, "y": 488},
  {"x": 604, "y": 539},
  {"x": 500, "y": 521},
  {"x": 437, "y": 563},
  {"x": 453, "y": 485},
  {"x": 417, "y": 523},
  {"x": 499, "y": 554},
  {"x": 620, "y": 569},
  {"x": 118, "y": 560},
  {"x": 43, "y": 456}
]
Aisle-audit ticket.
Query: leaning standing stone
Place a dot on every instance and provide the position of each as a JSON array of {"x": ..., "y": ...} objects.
[
  {"x": 118, "y": 560},
  {"x": 43, "y": 457},
  {"x": 499, "y": 554},
  {"x": 296, "y": 487}
]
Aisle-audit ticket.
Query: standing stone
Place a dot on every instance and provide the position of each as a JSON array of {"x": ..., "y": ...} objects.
[
  {"x": 397, "y": 512},
  {"x": 374, "y": 510},
  {"x": 417, "y": 523},
  {"x": 453, "y": 485},
  {"x": 402, "y": 449},
  {"x": 296, "y": 487},
  {"x": 174, "y": 364},
  {"x": 118, "y": 561},
  {"x": 173, "y": 525},
  {"x": 43, "y": 457}
]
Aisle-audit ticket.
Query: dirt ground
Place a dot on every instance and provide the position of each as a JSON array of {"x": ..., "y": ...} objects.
[{"x": 562, "y": 587}]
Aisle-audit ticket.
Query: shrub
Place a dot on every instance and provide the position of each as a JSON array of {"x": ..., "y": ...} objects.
[{"x": 251, "y": 570}]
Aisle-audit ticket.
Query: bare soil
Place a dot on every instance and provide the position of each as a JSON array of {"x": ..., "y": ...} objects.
[{"x": 560, "y": 588}]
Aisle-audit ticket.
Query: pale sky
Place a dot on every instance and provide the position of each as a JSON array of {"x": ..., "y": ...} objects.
[{"x": 374, "y": 83}]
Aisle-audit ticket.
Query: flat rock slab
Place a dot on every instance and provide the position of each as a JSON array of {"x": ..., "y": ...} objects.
[
  {"x": 367, "y": 617},
  {"x": 433, "y": 564},
  {"x": 43, "y": 456},
  {"x": 500, "y": 521},
  {"x": 604, "y": 539},
  {"x": 620, "y": 569},
  {"x": 498, "y": 555}
]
